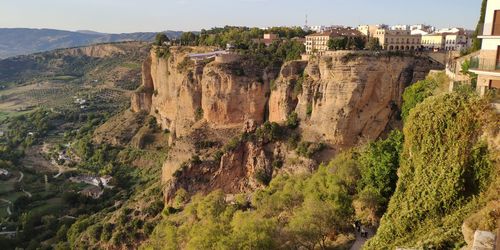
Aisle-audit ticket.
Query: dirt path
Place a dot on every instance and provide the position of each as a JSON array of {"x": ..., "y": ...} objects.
[
  {"x": 27, "y": 193},
  {"x": 20, "y": 177},
  {"x": 360, "y": 241}
]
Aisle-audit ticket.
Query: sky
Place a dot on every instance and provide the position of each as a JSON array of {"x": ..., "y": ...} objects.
[{"x": 120, "y": 16}]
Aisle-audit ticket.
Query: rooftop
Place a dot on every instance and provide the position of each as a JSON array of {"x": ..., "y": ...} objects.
[{"x": 339, "y": 32}]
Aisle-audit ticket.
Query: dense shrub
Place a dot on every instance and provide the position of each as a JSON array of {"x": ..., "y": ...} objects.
[
  {"x": 443, "y": 167},
  {"x": 417, "y": 92}
]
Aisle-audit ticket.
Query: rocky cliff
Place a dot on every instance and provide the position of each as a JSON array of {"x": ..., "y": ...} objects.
[
  {"x": 341, "y": 99},
  {"x": 182, "y": 92},
  {"x": 345, "y": 98}
]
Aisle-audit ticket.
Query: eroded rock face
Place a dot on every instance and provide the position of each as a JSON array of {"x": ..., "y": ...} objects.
[
  {"x": 241, "y": 170},
  {"x": 344, "y": 99},
  {"x": 180, "y": 92}
]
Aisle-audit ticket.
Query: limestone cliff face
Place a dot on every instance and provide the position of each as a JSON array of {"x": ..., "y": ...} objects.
[
  {"x": 180, "y": 92},
  {"x": 344, "y": 98},
  {"x": 341, "y": 99},
  {"x": 239, "y": 171}
]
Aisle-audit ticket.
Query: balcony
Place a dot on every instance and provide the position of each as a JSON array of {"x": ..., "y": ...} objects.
[{"x": 484, "y": 64}]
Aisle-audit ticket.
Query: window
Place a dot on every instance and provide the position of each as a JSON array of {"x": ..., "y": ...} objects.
[{"x": 496, "y": 24}]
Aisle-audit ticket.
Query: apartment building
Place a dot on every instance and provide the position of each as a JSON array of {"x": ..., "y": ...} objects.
[
  {"x": 457, "y": 42},
  {"x": 434, "y": 42},
  {"x": 487, "y": 64},
  {"x": 369, "y": 30},
  {"x": 452, "y": 39},
  {"x": 398, "y": 40},
  {"x": 318, "y": 43}
]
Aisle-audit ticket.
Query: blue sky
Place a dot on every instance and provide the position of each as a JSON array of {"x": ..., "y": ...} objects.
[{"x": 155, "y": 15}]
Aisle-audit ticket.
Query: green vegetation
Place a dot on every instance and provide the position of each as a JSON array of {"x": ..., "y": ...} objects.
[
  {"x": 419, "y": 91},
  {"x": 373, "y": 44},
  {"x": 346, "y": 43},
  {"x": 185, "y": 65},
  {"x": 292, "y": 120},
  {"x": 476, "y": 42},
  {"x": 465, "y": 70},
  {"x": 241, "y": 36},
  {"x": 312, "y": 210},
  {"x": 309, "y": 149},
  {"x": 444, "y": 169},
  {"x": 294, "y": 210},
  {"x": 160, "y": 39},
  {"x": 245, "y": 43}
]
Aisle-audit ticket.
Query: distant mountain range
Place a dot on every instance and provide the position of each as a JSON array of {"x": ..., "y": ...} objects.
[{"x": 21, "y": 41}]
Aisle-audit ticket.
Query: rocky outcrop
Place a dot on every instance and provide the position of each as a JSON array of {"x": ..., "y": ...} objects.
[
  {"x": 180, "y": 92},
  {"x": 341, "y": 99},
  {"x": 345, "y": 98},
  {"x": 241, "y": 170}
]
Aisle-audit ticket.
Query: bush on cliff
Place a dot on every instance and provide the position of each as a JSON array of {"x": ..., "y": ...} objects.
[
  {"x": 304, "y": 210},
  {"x": 444, "y": 168},
  {"x": 417, "y": 92}
]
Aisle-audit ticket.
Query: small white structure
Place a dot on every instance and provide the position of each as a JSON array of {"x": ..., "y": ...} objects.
[{"x": 4, "y": 172}]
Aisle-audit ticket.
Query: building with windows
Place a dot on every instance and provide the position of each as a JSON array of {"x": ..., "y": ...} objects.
[
  {"x": 398, "y": 40},
  {"x": 318, "y": 43},
  {"x": 487, "y": 64},
  {"x": 434, "y": 42},
  {"x": 369, "y": 30},
  {"x": 457, "y": 42},
  {"x": 450, "y": 39}
]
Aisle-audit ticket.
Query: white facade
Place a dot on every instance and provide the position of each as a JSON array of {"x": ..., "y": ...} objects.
[
  {"x": 487, "y": 65},
  {"x": 400, "y": 27},
  {"x": 318, "y": 28},
  {"x": 490, "y": 16},
  {"x": 457, "y": 42},
  {"x": 419, "y": 32}
]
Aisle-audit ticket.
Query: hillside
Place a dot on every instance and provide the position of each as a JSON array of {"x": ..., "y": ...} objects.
[
  {"x": 52, "y": 79},
  {"x": 137, "y": 146},
  {"x": 20, "y": 41}
]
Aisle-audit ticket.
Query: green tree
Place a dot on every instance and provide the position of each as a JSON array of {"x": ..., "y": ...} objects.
[
  {"x": 419, "y": 91},
  {"x": 476, "y": 42},
  {"x": 314, "y": 224},
  {"x": 189, "y": 38},
  {"x": 373, "y": 44},
  {"x": 250, "y": 231},
  {"x": 379, "y": 164},
  {"x": 160, "y": 39},
  {"x": 337, "y": 43}
]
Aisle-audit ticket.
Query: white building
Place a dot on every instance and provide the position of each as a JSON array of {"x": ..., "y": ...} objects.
[
  {"x": 487, "y": 64},
  {"x": 426, "y": 28},
  {"x": 457, "y": 42},
  {"x": 317, "y": 28},
  {"x": 4, "y": 172},
  {"x": 400, "y": 27},
  {"x": 419, "y": 32}
]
